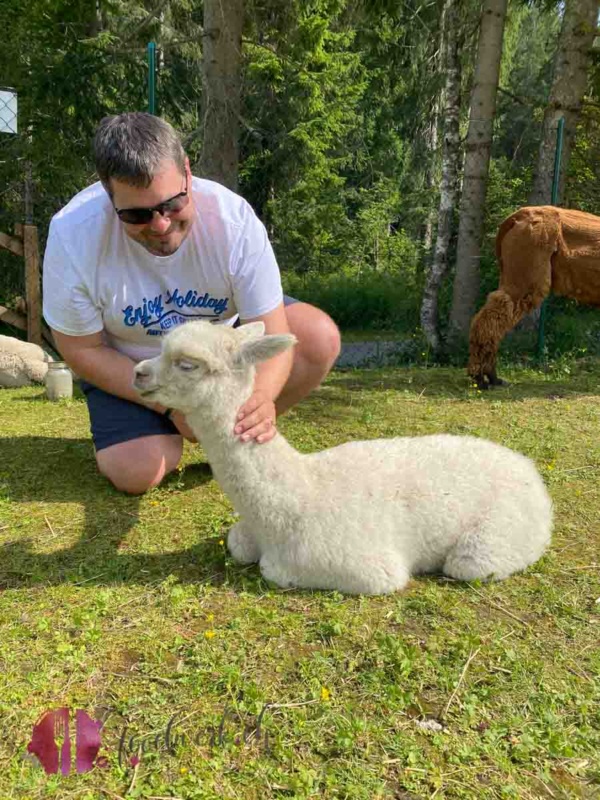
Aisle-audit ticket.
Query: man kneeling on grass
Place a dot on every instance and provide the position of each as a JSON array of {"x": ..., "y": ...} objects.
[{"x": 149, "y": 247}]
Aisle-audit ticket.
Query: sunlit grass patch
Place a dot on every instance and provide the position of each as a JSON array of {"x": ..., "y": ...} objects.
[{"x": 131, "y": 609}]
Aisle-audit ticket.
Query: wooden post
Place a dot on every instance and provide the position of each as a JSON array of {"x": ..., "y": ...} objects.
[
  {"x": 31, "y": 251},
  {"x": 12, "y": 243},
  {"x": 32, "y": 284},
  {"x": 25, "y": 243}
]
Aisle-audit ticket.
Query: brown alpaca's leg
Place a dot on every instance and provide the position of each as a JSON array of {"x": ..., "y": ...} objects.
[
  {"x": 525, "y": 253},
  {"x": 490, "y": 325},
  {"x": 488, "y": 328}
]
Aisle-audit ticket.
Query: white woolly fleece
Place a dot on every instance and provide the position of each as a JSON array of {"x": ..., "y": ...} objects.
[
  {"x": 21, "y": 363},
  {"x": 359, "y": 518}
]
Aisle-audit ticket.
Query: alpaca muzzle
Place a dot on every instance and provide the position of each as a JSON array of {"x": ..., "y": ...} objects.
[{"x": 143, "y": 378}]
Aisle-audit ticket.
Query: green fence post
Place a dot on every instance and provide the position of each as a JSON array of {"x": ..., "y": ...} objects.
[
  {"x": 151, "y": 77},
  {"x": 554, "y": 200}
]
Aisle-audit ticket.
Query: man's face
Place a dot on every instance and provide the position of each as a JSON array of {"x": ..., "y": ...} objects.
[{"x": 163, "y": 235}]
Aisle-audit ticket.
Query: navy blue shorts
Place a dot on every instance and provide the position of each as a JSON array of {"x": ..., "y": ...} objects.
[{"x": 114, "y": 420}]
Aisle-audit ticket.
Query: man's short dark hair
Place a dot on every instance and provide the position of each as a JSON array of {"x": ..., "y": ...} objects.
[{"x": 132, "y": 147}]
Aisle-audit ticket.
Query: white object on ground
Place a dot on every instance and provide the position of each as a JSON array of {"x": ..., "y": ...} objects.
[{"x": 21, "y": 363}]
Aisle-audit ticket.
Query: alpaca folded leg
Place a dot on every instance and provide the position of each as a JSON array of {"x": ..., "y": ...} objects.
[
  {"x": 492, "y": 553},
  {"x": 469, "y": 561},
  {"x": 278, "y": 571},
  {"x": 242, "y": 545},
  {"x": 367, "y": 573},
  {"x": 375, "y": 574}
]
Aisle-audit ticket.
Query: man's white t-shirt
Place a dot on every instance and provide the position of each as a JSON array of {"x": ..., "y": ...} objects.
[{"x": 98, "y": 279}]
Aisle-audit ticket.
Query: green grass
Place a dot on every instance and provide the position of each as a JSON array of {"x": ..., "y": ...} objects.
[{"x": 131, "y": 609}]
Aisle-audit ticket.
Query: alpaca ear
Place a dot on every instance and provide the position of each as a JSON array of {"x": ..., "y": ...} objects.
[
  {"x": 263, "y": 349},
  {"x": 251, "y": 330}
]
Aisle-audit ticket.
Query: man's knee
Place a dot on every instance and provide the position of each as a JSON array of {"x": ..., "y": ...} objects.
[
  {"x": 319, "y": 340},
  {"x": 138, "y": 465},
  {"x": 328, "y": 342}
]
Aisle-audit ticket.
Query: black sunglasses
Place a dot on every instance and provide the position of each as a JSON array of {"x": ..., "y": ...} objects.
[{"x": 142, "y": 216}]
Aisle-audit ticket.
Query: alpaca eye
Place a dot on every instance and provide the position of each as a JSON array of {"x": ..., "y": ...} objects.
[{"x": 187, "y": 366}]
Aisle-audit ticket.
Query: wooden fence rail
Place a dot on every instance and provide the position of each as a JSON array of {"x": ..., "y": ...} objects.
[{"x": 28, "y": 315}]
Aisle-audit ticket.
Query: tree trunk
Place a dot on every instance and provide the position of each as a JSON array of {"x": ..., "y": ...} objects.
[
  {"x": 477, "y": 159},
  {"x": 431, "y": 135},
  {"x": 450, "y": 175},
  {"x": 431, "y": 138},
  {"x": 221, "y": 61},
  {"x": 95, "y": 24},
  {"x": 568, "y": 88}
]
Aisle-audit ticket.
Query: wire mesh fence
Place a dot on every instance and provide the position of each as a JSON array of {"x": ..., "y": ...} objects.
[
  {"x": 12, "y": 279},
  {"x": 8, "y": 111}
]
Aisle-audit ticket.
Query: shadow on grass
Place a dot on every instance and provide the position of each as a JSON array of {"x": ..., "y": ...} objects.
[
  {"x": 446, "y": 382},
  {"x": 44, "y": 470}
]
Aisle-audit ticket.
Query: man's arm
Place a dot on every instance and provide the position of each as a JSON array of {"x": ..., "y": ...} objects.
[
  {"x": 94, "y": 361},
  {"x": 97, "y": 363},
  {"x": 257, "y": 416}
]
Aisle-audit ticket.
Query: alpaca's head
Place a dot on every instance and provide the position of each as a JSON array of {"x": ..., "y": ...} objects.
[{"x": 201, "y": 364}]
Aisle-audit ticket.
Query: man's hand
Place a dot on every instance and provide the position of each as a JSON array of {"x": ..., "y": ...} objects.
[
  {"x": 178, "y": 419},
  {"x": 256, "y": 419}
]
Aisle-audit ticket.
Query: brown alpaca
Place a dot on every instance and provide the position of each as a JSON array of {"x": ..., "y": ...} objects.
[{"x": 540, "y": 249}]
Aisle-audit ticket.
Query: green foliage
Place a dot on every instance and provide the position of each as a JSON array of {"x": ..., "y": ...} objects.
[
  {"x": 301, "y": 93},
  {"x": 526, "y": 73},
  {"x": 337, "y": 147},
  {"x": 582, "y": 188},
  {"x": 368, "y": 301}
]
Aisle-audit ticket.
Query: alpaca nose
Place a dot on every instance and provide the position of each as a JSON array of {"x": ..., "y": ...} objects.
[{"x": 142, "y": 375}]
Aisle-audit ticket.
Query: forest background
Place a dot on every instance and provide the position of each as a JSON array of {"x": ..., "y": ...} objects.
[{"x": 345, "y": 123}]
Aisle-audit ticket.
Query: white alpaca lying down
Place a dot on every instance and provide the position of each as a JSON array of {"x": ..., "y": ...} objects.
[
  {"x": 21, "y": 363},
  {"x": 361, "y": 517}
]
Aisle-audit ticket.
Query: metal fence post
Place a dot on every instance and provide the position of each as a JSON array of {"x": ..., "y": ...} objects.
[{"x": 151, "y": 77}]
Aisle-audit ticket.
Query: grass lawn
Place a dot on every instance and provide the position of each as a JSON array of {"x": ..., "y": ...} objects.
[{"x": 130, "y": 609}]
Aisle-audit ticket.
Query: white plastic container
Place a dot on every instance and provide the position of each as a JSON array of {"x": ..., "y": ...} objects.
[{"x": 59, "y": 381}]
